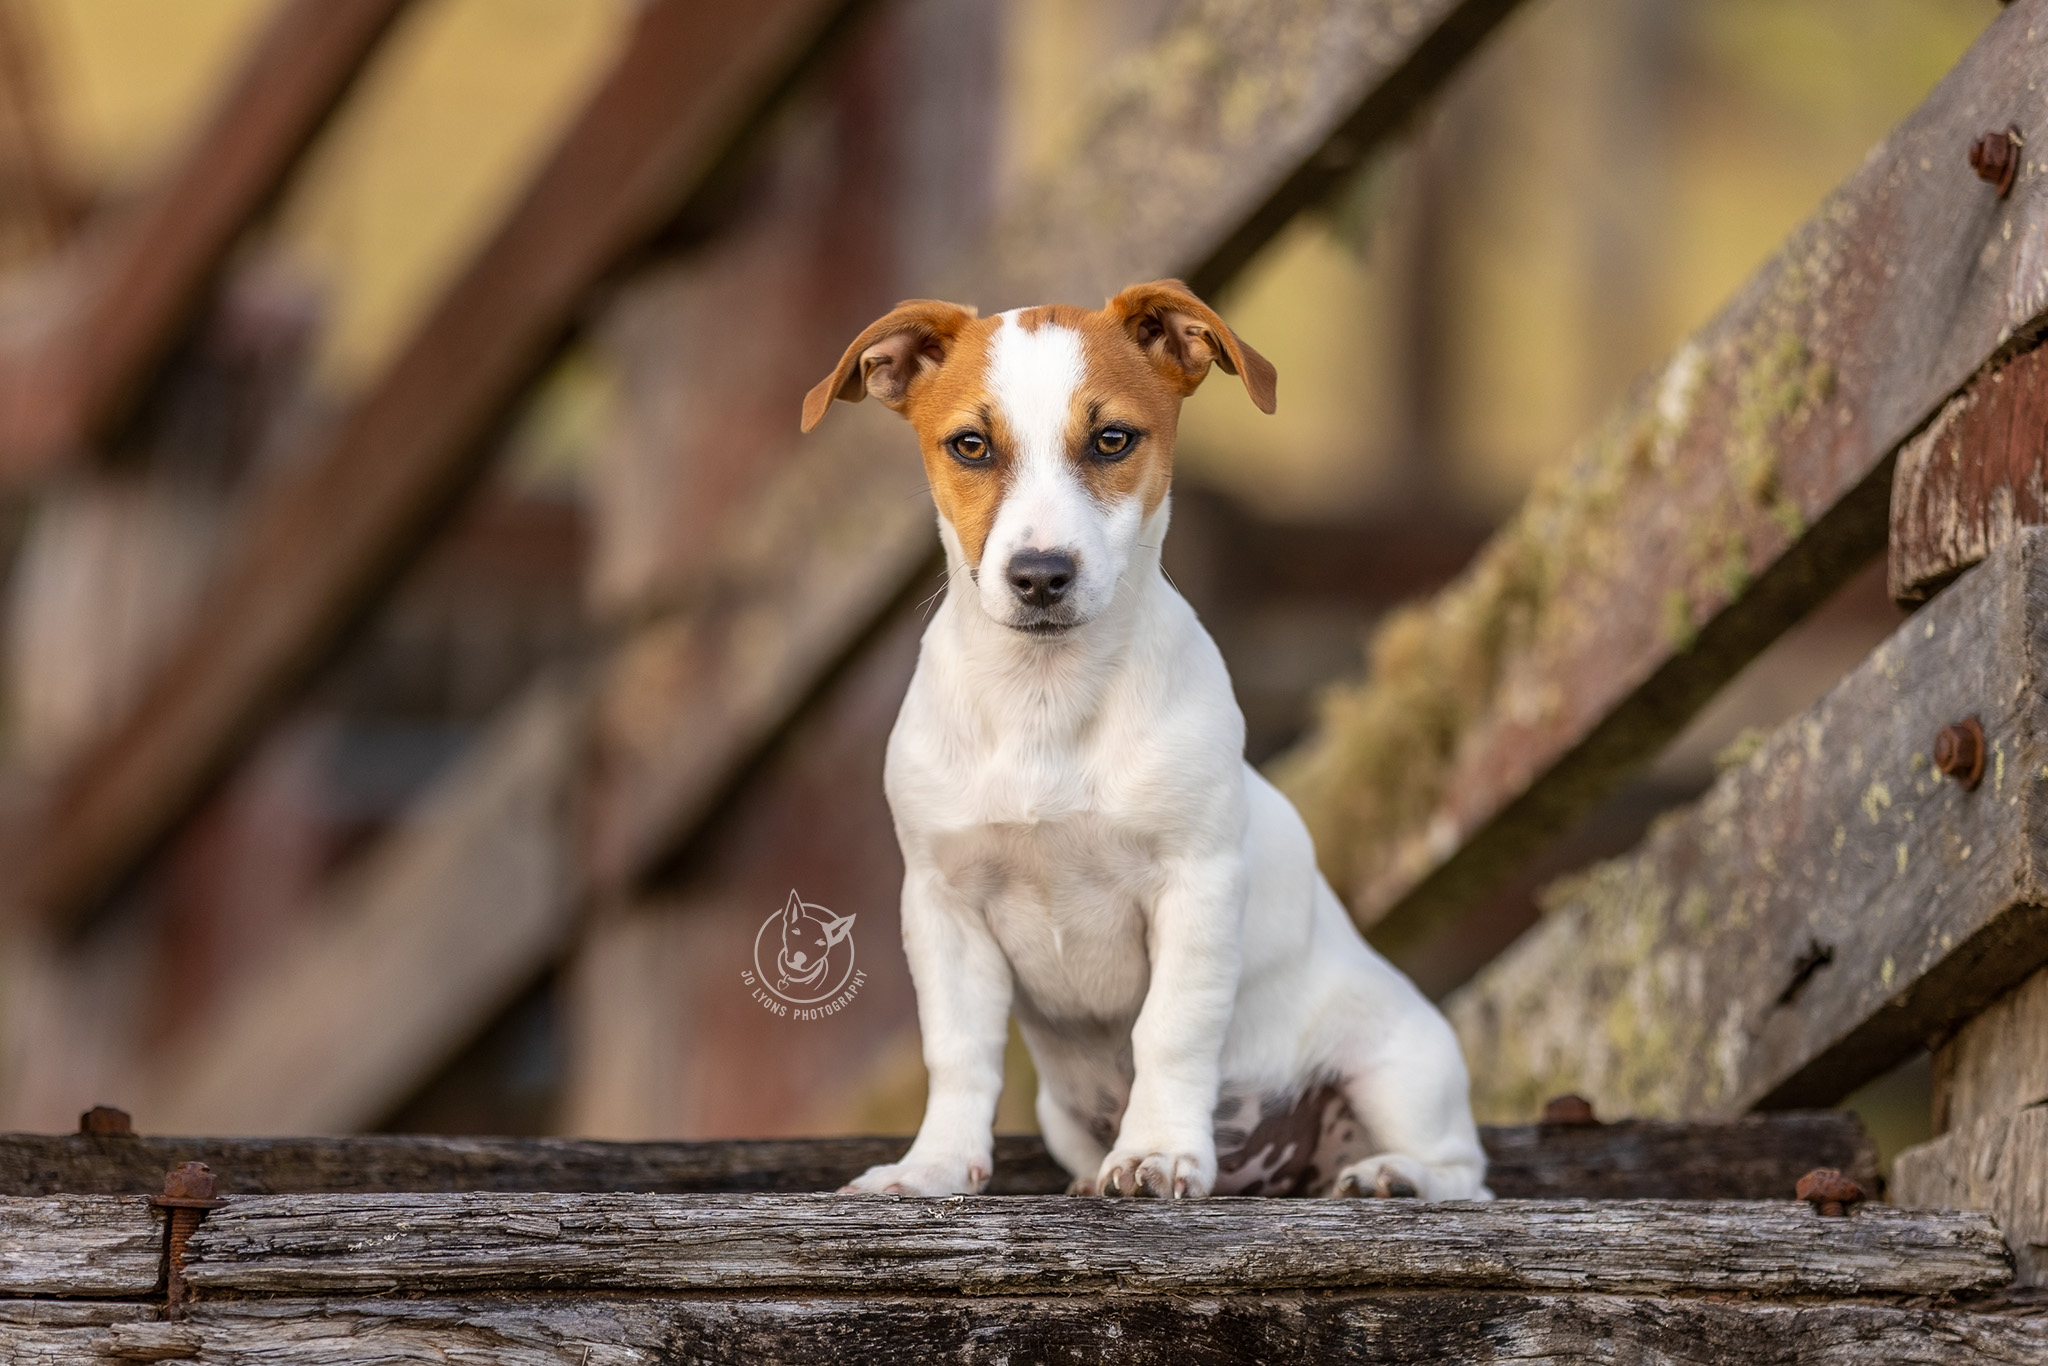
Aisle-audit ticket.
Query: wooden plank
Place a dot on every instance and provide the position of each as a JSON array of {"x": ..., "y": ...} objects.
[
  {"x": 40, "y": 1164},
  {"x": 1996, "y": 1063},
  {"x": 1312, "y": 88},
  {"x": 148, "y": 278},
  {"x": 1999, "y": 1163},
  {"x": 323, "y": 543},
  {"x": 1972, "y": 479},
  {"x": 1827, "y": 908},
  {"x": 79, "y": 1245},
  {"x": 1757, "y": 1157},
  {"x": 357, "y": 1244},
  {"x": 1752, "y": 1157},
  {"x": 1131, "y": 1330},
  {"x": 1728, "y": 496},
  {"x": 440, "y": 928}
]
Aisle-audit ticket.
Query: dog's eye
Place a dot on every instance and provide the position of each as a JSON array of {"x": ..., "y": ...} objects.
[
  {"x": 1114, "y": 442},
  {"x": 969, "y": 446}
]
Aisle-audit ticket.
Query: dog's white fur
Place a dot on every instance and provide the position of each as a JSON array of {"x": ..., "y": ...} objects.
[{"x": 1085, "y": 845}]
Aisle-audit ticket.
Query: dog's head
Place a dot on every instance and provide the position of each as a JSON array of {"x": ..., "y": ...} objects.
[{"x": 1047, "y": 432}]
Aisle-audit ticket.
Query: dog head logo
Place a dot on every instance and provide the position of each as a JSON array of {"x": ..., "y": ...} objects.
[{"x": 804, "y": 953}]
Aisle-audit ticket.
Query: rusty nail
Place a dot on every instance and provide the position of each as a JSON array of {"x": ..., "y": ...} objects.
[
  {"x": 1959, "y": 752},
  {"x": 189, "y": 1192},
  {"x": 1995, "y": 157},
  {"x": 105, "y": 1119},
  {"x": 1829, "y": 1192},
  {"x": 1568, "y": 1110}
]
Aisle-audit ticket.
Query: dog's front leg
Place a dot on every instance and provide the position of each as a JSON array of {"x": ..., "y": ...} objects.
[
  {"x": 1166, "y": 1145},
  {"x": 963, "y": 1011}
]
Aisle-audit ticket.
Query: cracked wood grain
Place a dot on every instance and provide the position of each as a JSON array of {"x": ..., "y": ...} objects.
[
  {"x": 79, "y": 1245},
  {"x": 343, "y": 1244},
  {"x": 1447, "y": 1329}
]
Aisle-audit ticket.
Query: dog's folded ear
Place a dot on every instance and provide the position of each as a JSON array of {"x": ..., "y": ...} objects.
[
  {"x": 1182, "y": 336},
  {"x": 889, "y": 354}
]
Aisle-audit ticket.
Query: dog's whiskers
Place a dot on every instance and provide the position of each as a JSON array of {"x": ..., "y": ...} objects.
[{"x": 946, "y": 581}]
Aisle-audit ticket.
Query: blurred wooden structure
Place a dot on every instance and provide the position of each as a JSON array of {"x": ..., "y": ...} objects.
[{"x": 751, "y": 184}]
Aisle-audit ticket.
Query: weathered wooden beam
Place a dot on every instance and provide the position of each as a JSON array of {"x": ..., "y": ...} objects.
[
  {"x": 1200, "y": 148},
  {"x": 1450, "y": 1329},
  {"x": 1756, "y": 1157},
  {"x": 328, "y": 539},
  {"x": 358, "y": 1244},
  {"x": 1830, "y": 906},
  {"x": 147, "y": 278},
  {"x": 1971, "y": 480},
  {"x": 438, "y": 929},
  {"x": 79, "y": 1245},
  {"x": 1998, "y": 1163},
  {"x": 1751, "y": 1157},
  {"x": 1186, "y": 167},
  {"x": 1728, "y": 496}
]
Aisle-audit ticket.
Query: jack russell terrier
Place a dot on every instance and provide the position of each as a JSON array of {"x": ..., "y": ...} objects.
[{"x": 1083, "y": 841}]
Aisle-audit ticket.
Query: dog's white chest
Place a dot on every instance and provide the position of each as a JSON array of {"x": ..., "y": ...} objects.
[
  {"x": 1051, "y": 808},
  {"x": 1064, "y": 889}
]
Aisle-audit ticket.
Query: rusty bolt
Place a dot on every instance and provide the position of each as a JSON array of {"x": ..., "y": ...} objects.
[
  {"x": 189, "y": 1192},
  {"x": 105, "y": 1119},
  {"x": 1569, "y": 1110},
  {"x": 1995, "y": 158},
  {"x": 1959, "y": 752},
  {"x": 1829, "y": 1192}
]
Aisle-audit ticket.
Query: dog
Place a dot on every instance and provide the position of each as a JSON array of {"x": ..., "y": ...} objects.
[{"x": 1083, "y": 841}]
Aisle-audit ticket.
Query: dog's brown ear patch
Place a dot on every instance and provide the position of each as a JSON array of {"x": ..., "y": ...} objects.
[
  {"x": 890, "y": 354},
  {"x": 1182, "y": 336}
]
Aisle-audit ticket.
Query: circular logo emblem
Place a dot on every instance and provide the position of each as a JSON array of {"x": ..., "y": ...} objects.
[{"x": 804, "y": 953}]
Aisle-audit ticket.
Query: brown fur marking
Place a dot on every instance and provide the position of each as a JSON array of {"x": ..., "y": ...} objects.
[{"x": 1125, "y": 383}]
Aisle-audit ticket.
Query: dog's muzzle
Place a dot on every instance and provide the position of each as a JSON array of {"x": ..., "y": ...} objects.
[{"x": 1041, "y": 579}]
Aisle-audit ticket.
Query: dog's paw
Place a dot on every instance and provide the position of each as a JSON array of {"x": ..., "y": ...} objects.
[
  {"x": 1398, "y": 1176},
  {"x": 1167, "y": 1176},
  {"x": 966, "y": 1177}
]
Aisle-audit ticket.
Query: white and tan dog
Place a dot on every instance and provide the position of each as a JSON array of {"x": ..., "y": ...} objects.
[{"x": 1083, "y": 841}]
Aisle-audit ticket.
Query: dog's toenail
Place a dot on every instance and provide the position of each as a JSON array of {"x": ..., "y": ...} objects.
[{"x": 1400, "y": 1190}]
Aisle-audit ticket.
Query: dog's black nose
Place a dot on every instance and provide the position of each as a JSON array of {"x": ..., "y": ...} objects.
[{"x": 1041, "y": 577}]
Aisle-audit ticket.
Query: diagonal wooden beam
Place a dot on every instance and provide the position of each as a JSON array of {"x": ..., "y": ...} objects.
[
  {"x": 1159, "y": 183},
  {"x": 318, "y": 548},
  {"x": 1826, "y": 909},
  {"x": 152, "y": 271},
  {"x": 1731, "y": 494}
]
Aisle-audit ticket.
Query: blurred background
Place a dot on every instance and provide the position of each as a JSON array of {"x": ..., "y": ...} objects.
[{"x": 1586, "y": 191}]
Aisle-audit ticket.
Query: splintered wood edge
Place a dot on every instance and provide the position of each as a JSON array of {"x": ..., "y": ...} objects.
[{"x": 79, "y": 1245}]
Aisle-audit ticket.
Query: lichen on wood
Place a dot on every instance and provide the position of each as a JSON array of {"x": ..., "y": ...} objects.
[
  {"x": 1728, "y": 496},
  {"x": 1831, "y": 903}
]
